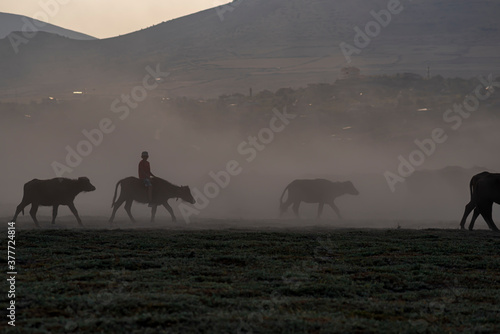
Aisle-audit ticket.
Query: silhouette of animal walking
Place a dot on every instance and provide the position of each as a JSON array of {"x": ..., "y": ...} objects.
[
  {"x": 484, "y": 191},
  {"x": 133, "y": 189},
  {"x": 319, "y": 191},
  {"x": 53, "y": 192}
]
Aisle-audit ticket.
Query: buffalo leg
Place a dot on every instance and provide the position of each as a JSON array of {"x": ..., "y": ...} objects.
[
  {"x": 169, "y": 209},
  {"x": 474, "y": 217},
  {"x": 34, "y": 209},
  {"x": 153, "y": 212},
  {"x": 468, "y": 209},
  {"x": 320, "y": 209},
  {"x": 486, "y": 211},
  {"x": 116, "y": 206},
  {"x": 75, "y": 212},
  {"x": 128, "y": 206},
  {"x": 334, "y": 207},
  {"x": 295, "y": 208},
  {"x": 284, "y": 207},
  {"x": 19, "y": 208},
  {"x": 54, "y": 213}
]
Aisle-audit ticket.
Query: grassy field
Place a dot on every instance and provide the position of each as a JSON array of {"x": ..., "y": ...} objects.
[{"x": 248, "y": 281}]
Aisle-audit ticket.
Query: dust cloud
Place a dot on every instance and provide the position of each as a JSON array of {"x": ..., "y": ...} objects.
[{"x": 188, "y": 146}]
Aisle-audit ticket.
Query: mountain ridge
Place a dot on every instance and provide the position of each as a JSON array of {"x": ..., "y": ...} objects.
[
  {"x": 19, "y": 24},
  {"x": 267, "y": 45}
]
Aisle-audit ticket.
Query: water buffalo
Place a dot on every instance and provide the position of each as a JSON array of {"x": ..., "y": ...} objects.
[
  {"x": 133, "y": 189},
  {"x": 53, "y": 192},
  {"x": 315, "y": 191},
  {"x": 484, "y": 191}
]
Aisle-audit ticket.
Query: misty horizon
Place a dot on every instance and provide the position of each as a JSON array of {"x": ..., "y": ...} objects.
[{"x": 187, "y": 148}]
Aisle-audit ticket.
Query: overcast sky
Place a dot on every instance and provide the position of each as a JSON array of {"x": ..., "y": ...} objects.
[{"x": 106, "y": 18}]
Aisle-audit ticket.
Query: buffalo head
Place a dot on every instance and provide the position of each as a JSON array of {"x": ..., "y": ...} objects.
[
  {"x": 350, "y": 189},
  {"x": 185, "y": 195},
  {"x": 85, "y": 184}
]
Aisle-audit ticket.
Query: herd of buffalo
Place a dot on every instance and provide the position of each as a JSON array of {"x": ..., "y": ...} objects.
[{"x": 484, "y": 191}]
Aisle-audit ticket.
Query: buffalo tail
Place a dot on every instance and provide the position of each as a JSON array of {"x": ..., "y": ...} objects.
[
  {"x": 282, "y": 195},
  {"x": 114, "y": 196}
]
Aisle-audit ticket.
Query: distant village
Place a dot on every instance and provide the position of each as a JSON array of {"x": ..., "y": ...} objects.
[{"x": 380, "y": 107}]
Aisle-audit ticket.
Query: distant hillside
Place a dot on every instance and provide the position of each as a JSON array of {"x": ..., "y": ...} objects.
[
  {"x": 17, "y": 23},
  {"x": 263, "y": 44}
]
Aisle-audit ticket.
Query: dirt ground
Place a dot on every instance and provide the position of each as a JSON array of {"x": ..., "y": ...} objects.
[{"x": 263, "y": 276}]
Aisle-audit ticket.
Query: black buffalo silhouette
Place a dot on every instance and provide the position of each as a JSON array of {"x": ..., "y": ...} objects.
[
  {"x": 133, "y": 189},
  {"x": 319, "y": 191},
  {"x": 484, "y": 191},
  {"x": 53, "y": 192}
]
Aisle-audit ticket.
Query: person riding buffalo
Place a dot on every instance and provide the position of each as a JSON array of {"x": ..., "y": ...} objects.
[{"x": 145, "y": 175}]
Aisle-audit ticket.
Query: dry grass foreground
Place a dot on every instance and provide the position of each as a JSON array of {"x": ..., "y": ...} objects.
[{"x": 248, "y": 281}]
